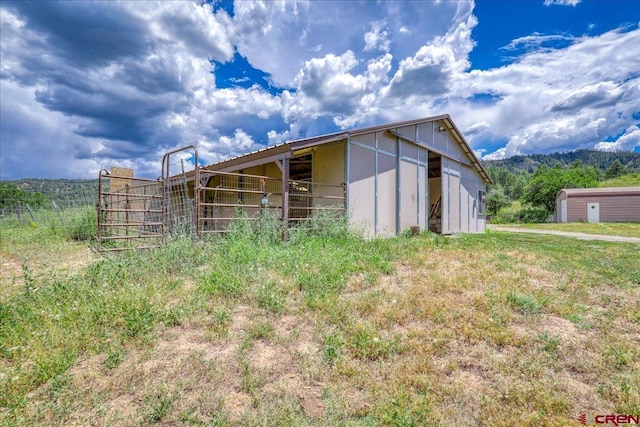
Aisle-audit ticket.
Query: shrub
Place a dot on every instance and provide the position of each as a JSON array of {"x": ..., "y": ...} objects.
[
  {"x": 509, "y": 214},
  {"x": 532, "y": 214},
  {"x": 329, "y": 225},
  {"x": 516, "y": 213}
]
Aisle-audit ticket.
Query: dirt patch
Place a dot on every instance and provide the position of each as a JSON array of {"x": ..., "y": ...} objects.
[
  {"x": 585, "y": 397},
  {"x": 268, "y": 359},
  {"x": 297, "y": 333},
  {"x": 201, "y": 376},
  {"x": 286, "y": 325},
  {"x": 183, "y": 366},
  {"x": 559, "y": 327},
  {"x": 77, "y": 259},
  {"x": 124, "y": 409},
  {"x": 236, "y": 404},
  {"x": 64, "y": 262},
  {"x": 240, "y": 318},
  {"x": 11, "y": 276},
  {"x": 398, "y": 282},
  {"x": 311, "y": 399}
]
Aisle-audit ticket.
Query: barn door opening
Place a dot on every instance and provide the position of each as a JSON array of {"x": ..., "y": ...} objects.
[{"x": 435, "y": 193}]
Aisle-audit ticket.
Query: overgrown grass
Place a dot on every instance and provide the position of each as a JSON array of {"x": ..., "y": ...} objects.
[
  {"x": 628, "y": 180},
  {"x": 326, "y": 329},
  {"x": 55, "y": 321},
  {"x": 77, "y": 224}
]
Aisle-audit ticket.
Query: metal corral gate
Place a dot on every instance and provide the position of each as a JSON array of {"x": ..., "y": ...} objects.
[
  {"x": 136, "y": 213},
  {"x": 129, "y": 212}
]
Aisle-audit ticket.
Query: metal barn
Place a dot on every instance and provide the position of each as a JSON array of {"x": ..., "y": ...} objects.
[
  {"x": 389, "y": 178},
  {"x": 615, "y": 204}
]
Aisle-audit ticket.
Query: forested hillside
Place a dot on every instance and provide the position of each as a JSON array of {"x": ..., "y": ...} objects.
[
  {"x": 11, "y": 194},
  {"x": 601, "y": 160},
  {"x": 525, "y": 187},
  {"x": 63, "y": 191}
]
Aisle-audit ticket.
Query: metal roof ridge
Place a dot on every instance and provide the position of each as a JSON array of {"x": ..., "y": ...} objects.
[{"x": 319, "y": 139}]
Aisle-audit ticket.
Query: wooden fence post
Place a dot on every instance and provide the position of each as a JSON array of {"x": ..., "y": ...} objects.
[
  {"x": 30, "y": 212},
  {"x": 55, "y": 206}
]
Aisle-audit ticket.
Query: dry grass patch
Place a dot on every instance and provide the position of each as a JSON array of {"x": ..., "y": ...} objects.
[
  {"x": 186, "y": 377},
  {"x": 497, "y": 338}
]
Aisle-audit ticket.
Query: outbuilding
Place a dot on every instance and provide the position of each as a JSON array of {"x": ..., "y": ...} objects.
[
  {"x": 615, "y": 204},
  {"x": 418, "y": 174}
]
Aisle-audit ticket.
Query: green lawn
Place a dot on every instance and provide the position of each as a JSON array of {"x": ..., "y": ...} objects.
[{"x": 495, "y": 329}]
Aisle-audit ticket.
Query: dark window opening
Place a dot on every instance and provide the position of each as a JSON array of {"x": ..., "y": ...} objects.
[
  {"x": 482, "y": 202},
  {"x": 300, "y": 168}
]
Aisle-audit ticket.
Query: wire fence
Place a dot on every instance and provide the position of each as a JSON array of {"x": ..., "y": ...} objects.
[
  {"x": 228, "y": 197},
  {"x": 72, "y": 213}
]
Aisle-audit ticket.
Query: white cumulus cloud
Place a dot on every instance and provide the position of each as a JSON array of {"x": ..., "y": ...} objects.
[
  {"x": 377, "y": 38},
  {"x": 122, "y": 82},
  {"x": 562, "y": 2},
  {"x": 629, "y": 141}
]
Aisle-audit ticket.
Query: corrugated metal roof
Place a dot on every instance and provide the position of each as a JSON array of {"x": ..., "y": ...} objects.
[
  {"x": 315, "y": 140},
  {"x": 605, "y": 191},
  {"x": 324, "y": 139}
]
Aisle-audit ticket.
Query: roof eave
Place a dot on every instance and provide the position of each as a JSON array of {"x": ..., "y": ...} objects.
[{"x": 467, "y": 149}]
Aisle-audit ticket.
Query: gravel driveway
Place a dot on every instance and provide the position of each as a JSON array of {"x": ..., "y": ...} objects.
[{"x": 580, "y": 236}]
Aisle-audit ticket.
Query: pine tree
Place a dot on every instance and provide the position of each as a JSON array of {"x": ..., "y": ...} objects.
[{"x": 615, "y": 170}]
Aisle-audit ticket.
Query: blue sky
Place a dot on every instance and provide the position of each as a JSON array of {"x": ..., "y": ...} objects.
[{"x": 87, "y": 85}]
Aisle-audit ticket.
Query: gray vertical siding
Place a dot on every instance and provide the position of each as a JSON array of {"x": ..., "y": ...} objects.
[
  {"x": 388, "y": 185},
  {"x": 444, "y": 201}
]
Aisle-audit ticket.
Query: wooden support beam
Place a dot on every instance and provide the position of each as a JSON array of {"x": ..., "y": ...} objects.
[
  {"x": 285, "y": 197},
  {"x": 280, "y": 165}
]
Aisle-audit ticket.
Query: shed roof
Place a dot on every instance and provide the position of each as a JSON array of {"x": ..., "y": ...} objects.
[
  {"x": 290, "y": 146},
  {"x": 601, "y": 192}
]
